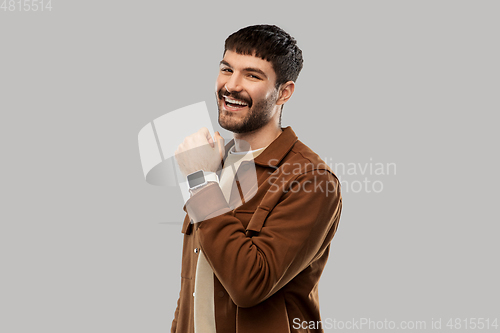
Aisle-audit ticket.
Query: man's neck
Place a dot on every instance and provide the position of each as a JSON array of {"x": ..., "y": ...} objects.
[{"x": 257, "y": 139}]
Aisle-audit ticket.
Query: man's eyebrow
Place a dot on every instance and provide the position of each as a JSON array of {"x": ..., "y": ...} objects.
[
  {"x": 255, "y": 70},
  {"x": 246, "y": 69}
]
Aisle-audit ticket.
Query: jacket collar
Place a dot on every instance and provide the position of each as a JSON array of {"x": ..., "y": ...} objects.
[{"x": 276, "y": 151}]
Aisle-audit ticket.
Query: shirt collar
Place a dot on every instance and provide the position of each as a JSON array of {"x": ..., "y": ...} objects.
[{"x": 276, "y": 151}]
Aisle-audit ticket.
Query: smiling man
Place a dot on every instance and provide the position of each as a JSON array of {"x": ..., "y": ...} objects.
[{"x": 263, "y": 208}]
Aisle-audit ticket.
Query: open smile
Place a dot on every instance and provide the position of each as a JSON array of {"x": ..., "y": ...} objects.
[{"x": 231, "y": 104}]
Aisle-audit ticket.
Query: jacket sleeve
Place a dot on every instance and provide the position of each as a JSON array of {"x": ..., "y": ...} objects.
[{"x": 295, "y": 231}]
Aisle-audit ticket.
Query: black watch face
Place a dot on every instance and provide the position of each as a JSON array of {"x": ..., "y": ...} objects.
[{"x": 196, "y": 179}]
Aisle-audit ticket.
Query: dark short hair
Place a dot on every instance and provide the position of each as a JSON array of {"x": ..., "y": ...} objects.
[{"x": 270, "y": 43}]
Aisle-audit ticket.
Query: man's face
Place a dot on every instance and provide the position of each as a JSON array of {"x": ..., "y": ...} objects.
[{"x": 245, "y": 92}]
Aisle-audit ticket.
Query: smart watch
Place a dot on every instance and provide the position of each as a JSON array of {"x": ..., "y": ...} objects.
[{"x": 200, "y": 178}]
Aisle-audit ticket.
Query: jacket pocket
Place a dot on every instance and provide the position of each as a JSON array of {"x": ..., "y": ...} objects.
[{"x": 257, "y": 221}]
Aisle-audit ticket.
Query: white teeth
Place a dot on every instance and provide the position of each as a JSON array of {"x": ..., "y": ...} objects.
[{"x": 233, "y": 101}]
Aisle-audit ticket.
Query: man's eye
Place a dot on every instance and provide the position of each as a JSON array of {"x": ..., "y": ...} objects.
[
  {"x": 254, "y": 76},
  {"x": 227, "y": 70}
]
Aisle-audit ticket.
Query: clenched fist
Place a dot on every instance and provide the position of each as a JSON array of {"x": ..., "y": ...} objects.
[{"x": 200, "y": 151}]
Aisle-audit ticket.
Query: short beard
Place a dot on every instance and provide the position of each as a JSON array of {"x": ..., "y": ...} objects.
[{"x": 259, "y": 115}]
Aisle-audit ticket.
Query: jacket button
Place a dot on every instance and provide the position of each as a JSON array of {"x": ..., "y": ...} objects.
[
  {"x": 221, "y": 294},
  {"x": 196, "y": 250}
]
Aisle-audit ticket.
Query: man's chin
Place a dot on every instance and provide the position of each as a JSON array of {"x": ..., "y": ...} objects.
[
  {"x": 228, "y": 121},
  {"x": 230, "y": 127}
]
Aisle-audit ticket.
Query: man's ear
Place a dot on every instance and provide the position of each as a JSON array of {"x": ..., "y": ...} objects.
[{"x": 286, "y": 91}]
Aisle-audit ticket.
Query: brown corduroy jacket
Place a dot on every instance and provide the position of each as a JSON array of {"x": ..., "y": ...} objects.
[{"x": 268, "y": 253}]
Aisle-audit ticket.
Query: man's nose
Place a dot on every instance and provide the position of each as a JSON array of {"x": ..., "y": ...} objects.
[{"x": 234, "y": 83}]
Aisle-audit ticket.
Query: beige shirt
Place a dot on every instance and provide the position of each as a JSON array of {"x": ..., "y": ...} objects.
[{"x": 204, "y": 308}]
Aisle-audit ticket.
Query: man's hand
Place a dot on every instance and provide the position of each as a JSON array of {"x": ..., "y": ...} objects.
[{"x": 200, "y": 151}]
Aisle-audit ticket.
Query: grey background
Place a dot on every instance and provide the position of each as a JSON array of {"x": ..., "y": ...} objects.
[{"x": 86, "y": 245}]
